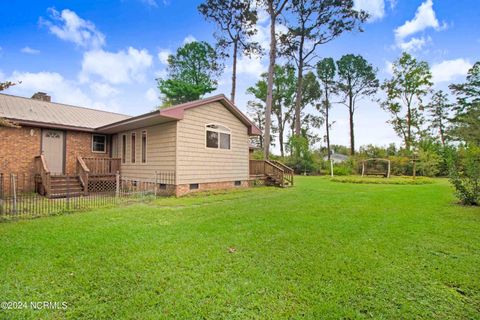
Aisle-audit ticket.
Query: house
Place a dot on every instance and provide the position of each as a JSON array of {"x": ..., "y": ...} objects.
[
  {"x": 336, "y": 158},
  {"x": 199, "y": 145}
]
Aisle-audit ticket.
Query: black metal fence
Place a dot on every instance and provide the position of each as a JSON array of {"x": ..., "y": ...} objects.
[{"x": 19, "y": 197}]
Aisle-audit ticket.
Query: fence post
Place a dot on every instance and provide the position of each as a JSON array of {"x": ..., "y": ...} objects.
[
  {"x": 68, "y": 193},
  {"x": 14, "y": 193},
  {"x": 1, "y": 193},
  {"x": 117, "y": 184}
]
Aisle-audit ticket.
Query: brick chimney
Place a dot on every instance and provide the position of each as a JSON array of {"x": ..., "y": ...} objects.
[{"x": 42, "y": 96}]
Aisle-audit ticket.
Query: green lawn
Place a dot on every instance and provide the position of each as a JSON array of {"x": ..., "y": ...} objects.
[{"x": 319, "y": 250}]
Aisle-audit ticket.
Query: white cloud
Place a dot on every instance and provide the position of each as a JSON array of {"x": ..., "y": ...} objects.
[
  {"x": 103, "y": 90},
  {"x": 425, "y": 18},
  {"x": 250, "y": 66},
  {"x": 163, "y": 55},
  {"x": 68, "y": 26},
  {"x": 448, "y": 70},
  {"x": 29, "y": 50},
  {"x": 115, "y": 68},
  {"x": 389, "y": 67},
  {"x": 414, "y": 44},
  {"x": 376, "y": 8},
  {"x": 53, "y": 83},
  {"x": 162, "y": 73},
  {"x": 152, "y": 95},
  {"x": 189, "y": 39}
]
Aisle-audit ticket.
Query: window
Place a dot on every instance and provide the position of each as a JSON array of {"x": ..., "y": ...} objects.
[
  {"x": 124, "y": 148},
  {"x": 144, "y": 146},
  {"x": 133, "y": 147},
  {"x": 217, "y": 137},
  {"x": 99, "y": 143},
  {"x": 237, "y": 183},
  {"x": 193, "y": 186}
]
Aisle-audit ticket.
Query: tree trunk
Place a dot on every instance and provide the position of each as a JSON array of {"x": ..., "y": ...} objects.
[
  {"x": 409, "y": 128},
  {"x": 442, "y": 134},
  {"x": 234, "y": 71},
  {"x": 280, "y": 139},
  {"x": 352, "y": 133},
  {"x": 298, "y": 99},
  {"x": 327, "y": 107},
  {"x": 271, "y": 70}
]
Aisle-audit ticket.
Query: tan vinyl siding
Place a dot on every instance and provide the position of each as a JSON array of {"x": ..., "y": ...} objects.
[
  {"x": 160, "y": 151},
  {"x": 198, "y": 164}
]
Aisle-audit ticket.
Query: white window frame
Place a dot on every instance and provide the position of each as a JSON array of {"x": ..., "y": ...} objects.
[
  {"x": 104, "y": 145},
  {"x": 221, "y": 129}
]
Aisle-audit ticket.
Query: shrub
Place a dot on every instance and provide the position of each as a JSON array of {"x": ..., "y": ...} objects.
[
  {"x": 465, "y": 175},
  {"x": 341, "y": 170},
  {"x": 428, "y": 163}
]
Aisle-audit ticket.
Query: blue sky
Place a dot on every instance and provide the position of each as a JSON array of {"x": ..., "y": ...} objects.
[{"x": 106, "y": 54}]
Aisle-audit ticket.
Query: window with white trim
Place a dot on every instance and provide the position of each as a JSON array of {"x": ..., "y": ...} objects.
[
  {"x": 99, "y": 143},
  {"x": 217, "y": 136}
]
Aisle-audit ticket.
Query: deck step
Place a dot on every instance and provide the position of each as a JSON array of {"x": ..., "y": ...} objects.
[{"x": 63, "y": 186}]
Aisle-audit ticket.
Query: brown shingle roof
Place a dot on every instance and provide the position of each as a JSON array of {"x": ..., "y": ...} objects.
[{"x": 31, "y": 110}]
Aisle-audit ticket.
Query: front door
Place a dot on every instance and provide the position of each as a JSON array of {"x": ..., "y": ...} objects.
[{"x": 53, "y": 150}]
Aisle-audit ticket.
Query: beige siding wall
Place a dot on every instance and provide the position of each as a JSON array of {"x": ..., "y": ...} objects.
[
  {"x": 198, "y": 164},
  {"x": 160, "y": 151}
]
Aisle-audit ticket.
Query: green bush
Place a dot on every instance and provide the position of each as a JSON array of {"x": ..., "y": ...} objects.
[
  {"x": 465, "y": 175},
  {"x": 428, "y": 163},
  {"x": 341, "y": 170}
]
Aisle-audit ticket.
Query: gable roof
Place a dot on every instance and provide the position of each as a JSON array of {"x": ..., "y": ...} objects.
[
  {"x": 177, "y": 112},
  {"x": 56, "y": 115},
  {"x": 35, "y": 112}
]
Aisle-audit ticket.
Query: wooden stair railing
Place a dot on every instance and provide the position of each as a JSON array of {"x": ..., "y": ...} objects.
[
  {"x": 281, "y": 174},
  {"x": 83, "y": 173},
  {"x": 274, "y": 172},
  {"x": 287, "y": 170},
  {"x": 41, "y": 169}
]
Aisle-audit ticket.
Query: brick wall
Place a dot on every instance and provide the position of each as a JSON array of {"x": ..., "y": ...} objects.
[
  {"x": 80, "y": 143},
  {"x": 18, "y": 148}
]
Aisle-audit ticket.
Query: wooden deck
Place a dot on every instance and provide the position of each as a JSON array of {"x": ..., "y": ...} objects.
[{"x": 92, "y": 175}]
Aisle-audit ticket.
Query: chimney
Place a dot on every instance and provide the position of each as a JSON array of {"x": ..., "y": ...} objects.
[{"x": 42, "y": 96}]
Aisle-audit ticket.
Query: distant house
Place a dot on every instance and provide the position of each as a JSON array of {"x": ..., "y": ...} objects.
[
  {"x": 337, "y": 158},
  {"x": 199, "y": 145}
]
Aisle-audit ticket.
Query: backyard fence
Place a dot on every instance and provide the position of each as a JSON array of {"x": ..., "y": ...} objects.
[{"x": 19, "y": 197}]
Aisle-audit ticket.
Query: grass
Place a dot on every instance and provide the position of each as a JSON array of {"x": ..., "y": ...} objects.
[
  {"x": 320, "y": 250},
  {"x": 381, "y": 180}
]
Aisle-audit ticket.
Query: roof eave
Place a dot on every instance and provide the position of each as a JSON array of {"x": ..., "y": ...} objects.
[{"x": 49, "y": 125}]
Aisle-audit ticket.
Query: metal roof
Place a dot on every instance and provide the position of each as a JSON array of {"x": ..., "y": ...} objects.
[
  {"x": 23, "y": 109},
  {"x": 57, "y": 115}
]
